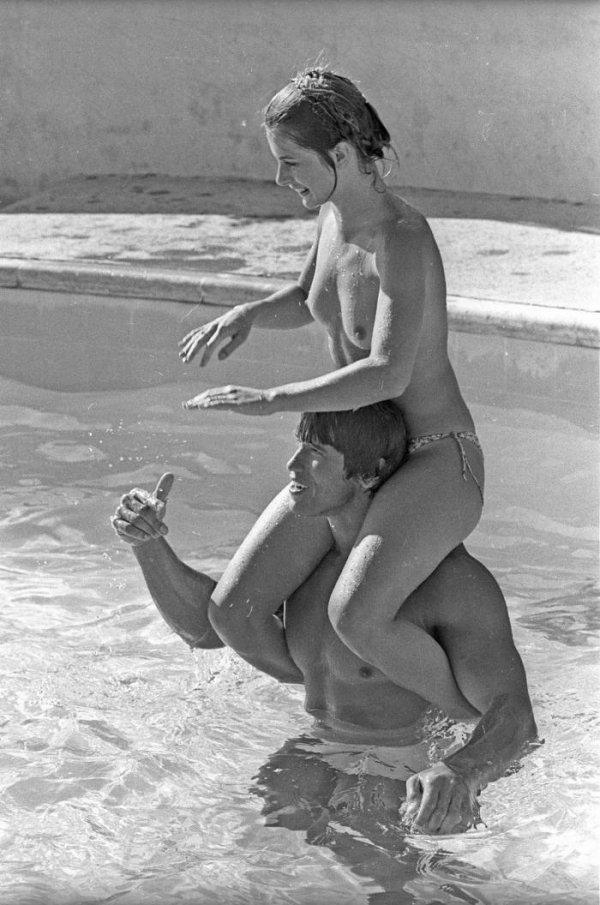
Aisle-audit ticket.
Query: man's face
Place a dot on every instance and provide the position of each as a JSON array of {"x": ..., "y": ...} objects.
[
  {"x": 318, "y": 485},
  {"x": 301, "y": 169}
]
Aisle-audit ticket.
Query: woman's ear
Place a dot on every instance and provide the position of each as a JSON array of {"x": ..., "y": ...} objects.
[{"x": 340, "y": 153}]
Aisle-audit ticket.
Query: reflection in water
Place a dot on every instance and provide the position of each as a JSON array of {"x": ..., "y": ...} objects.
[
  {"x": 133, "y": 770},
  {"x": 355, "y": 812}
]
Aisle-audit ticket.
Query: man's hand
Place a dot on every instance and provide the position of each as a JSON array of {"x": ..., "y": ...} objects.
[
  {"x": 139, "y": 517},
  {"x": 440, "y": 802}
]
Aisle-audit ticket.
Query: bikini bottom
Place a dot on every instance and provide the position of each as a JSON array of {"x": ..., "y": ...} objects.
[{"x": 458, "y": 436}]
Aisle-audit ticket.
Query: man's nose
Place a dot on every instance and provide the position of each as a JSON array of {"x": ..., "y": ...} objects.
[{"x": 294, "y": 460}]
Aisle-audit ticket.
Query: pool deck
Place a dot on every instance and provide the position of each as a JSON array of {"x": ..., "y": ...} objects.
[{"x": 521, "y": 267}]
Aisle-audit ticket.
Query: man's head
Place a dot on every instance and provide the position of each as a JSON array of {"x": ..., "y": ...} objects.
[{"x": 345, "y": 451}]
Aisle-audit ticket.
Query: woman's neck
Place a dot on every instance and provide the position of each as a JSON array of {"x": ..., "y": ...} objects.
[{"x": 358, "y": 207}]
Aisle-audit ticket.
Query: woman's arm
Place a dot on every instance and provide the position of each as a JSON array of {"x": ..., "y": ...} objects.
[
  {"x": 282, "y": 310},
  {"x": 386, "y": 371},
  {"x": 287, "y": 309},
  {"x": 383, "y": 374}
]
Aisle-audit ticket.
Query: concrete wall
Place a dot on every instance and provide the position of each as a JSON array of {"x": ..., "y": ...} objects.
[{"x": 480, "y": 95}]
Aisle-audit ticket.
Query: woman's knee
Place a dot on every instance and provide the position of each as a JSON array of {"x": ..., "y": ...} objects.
[
  {"x": 352, "y": 621},
  {"x": 229, "y": 616}
]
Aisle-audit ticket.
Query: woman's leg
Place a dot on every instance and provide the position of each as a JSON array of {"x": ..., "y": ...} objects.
[
  {"x": 425, "y": 510},
  {"x": 277, "y": 556}
]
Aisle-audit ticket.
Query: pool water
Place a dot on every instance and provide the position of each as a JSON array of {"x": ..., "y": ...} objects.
[{"x": 127, "y": 761}]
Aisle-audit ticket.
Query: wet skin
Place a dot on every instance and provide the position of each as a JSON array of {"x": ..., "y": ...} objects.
[
  {"x": 374, "y": 282},
  {"x": 460, "y": 604}
]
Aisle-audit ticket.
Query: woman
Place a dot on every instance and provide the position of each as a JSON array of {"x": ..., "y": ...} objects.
[{"x": 374, "y": 281}]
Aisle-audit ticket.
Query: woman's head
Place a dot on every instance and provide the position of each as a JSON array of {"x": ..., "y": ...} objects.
[{"x": 319, "y": 109}]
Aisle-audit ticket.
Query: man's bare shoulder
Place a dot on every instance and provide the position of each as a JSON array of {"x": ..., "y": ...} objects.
[{"x": 460, "y": 595}]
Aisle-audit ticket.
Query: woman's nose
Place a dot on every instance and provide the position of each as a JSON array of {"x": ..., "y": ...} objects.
[{"x": 281, "y": 177}]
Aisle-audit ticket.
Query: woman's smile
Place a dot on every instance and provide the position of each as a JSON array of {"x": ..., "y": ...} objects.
[{"x": 295, "y": 163}]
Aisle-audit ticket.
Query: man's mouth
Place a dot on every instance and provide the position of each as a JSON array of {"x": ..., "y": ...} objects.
[{"x": 295, "y": 487}]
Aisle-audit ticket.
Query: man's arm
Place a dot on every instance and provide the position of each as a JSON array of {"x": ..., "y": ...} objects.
[
  {"x": 474, "y": 630},
  {"x": 183, "y": 595}
]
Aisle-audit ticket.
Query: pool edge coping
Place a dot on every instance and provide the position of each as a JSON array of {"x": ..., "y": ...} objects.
[{"x": 540, "y": 323}]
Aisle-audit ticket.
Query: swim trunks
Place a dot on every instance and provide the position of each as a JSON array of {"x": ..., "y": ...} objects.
[
  {"x": 373, "y": 760},
  {"x": 324, "y": 786},
  {"x": 458, "y": 436},
  {"x": 435, "y": 737}
]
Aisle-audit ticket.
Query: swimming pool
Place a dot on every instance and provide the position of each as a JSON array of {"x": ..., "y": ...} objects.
[{"x": 127, "y": 760}]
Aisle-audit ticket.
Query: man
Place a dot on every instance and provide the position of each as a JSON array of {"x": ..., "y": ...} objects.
[{"x": 342, "y": 460}]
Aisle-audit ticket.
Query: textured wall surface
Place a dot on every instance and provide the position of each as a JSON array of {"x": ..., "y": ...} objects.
[{"x": 480, "y": 95}]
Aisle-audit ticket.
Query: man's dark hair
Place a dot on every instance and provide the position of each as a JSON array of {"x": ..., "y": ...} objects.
[{"x": 364, "y": 437}]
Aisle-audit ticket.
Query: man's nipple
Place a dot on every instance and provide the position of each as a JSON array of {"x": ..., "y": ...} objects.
[
  {"x": 366, "y": 672},
  {"x": 360, "y": 333}
]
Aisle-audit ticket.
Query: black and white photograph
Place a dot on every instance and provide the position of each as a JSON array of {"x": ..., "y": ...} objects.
[{"x": 299, "y": 452}]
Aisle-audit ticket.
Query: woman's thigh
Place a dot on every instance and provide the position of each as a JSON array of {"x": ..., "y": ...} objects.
[
  {"x": 279, "y": 553},
  {"x": 425, "y": 510}
]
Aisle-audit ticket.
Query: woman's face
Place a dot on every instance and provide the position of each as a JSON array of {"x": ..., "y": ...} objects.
[{"x": 301, "y": 169}]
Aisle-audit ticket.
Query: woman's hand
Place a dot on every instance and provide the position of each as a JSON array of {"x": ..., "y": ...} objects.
[
  {"x": 244, "y": 400},
  {"x": 234, "y": 326}
]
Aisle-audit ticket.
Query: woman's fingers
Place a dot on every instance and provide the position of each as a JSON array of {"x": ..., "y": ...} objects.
[
  {"x": 191, "y": 344},
  {"x": 234, "y": 343},
  {"x": 209, "y": 348},
  {"x": 233, "y": 326}
]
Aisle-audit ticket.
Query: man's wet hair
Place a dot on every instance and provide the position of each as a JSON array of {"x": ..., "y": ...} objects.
[{"x": 364, "y": 437}]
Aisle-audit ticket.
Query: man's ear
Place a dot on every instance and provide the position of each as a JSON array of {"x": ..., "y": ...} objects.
[{"x": 369, "y": 481}]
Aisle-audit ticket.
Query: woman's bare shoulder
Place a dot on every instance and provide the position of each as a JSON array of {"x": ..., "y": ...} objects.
[
  {"x": 404, "y": 232},
  {"x": 404, "y": 220}
]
